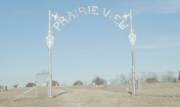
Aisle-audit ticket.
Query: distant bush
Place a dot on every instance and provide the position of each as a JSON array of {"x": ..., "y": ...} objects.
[
  {"x": 3, "y": 88},
  {"x": 152, "y": 80},
  {"x": 99, "y": 81},
  {"x": 78, "y": 83},
  {"x": 30, "y": 84},
  {"x": 15, "y": 86},
  {"x": 55, "y": 83},
  {"x": 168, "y": 77}
]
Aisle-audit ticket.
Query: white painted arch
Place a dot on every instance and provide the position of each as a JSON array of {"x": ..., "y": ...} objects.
[{"x": 58, "y": 21}]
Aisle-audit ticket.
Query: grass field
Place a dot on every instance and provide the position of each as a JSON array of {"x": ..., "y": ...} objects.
[{"x": 150, "y": 95}]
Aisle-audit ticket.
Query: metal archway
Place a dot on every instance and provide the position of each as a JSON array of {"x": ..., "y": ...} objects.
[{"x": 60, "y": 21}]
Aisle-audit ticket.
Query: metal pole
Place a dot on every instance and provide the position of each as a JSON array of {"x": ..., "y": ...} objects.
[
  {"x": 50, "y": 72},
  {"x": 132, "y": 37},
  {"x": 131, "y": 27},
  {"x": 50, "y": 58},
  {"x": 133, "y": 70}
]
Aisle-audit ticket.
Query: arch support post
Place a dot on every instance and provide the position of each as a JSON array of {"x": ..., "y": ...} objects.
[
  {"x": 132, "y": 39},
  {"x": 50, "y": 43}
]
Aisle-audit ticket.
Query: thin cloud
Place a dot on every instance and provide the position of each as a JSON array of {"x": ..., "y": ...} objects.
[
  {"x": 158, "y": 46},
  {"x": 165, "y": 43},
  {"x": 164, "y": 7}
]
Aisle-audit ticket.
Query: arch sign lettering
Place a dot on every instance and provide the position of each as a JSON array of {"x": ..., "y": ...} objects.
[{"x": 58, "y": 21}]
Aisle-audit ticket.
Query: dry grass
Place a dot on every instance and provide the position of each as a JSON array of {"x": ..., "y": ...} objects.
[{"x": 151, "y": 95}]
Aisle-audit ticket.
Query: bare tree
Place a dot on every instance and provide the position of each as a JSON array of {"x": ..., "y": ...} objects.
[
  {"x": 78, "y": 83},
  {"x": 55, "y": 83},
  {"x": 99, "y": 81},
  {"x": 30, "y": 84},
  {"x": 152, "y": 80},
  {"x": 15, "y": 86},
  {"x": 168, "y": 77}
]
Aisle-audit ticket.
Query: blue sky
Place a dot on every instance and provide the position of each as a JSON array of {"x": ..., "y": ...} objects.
[{"x": 88, "y": 46}]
